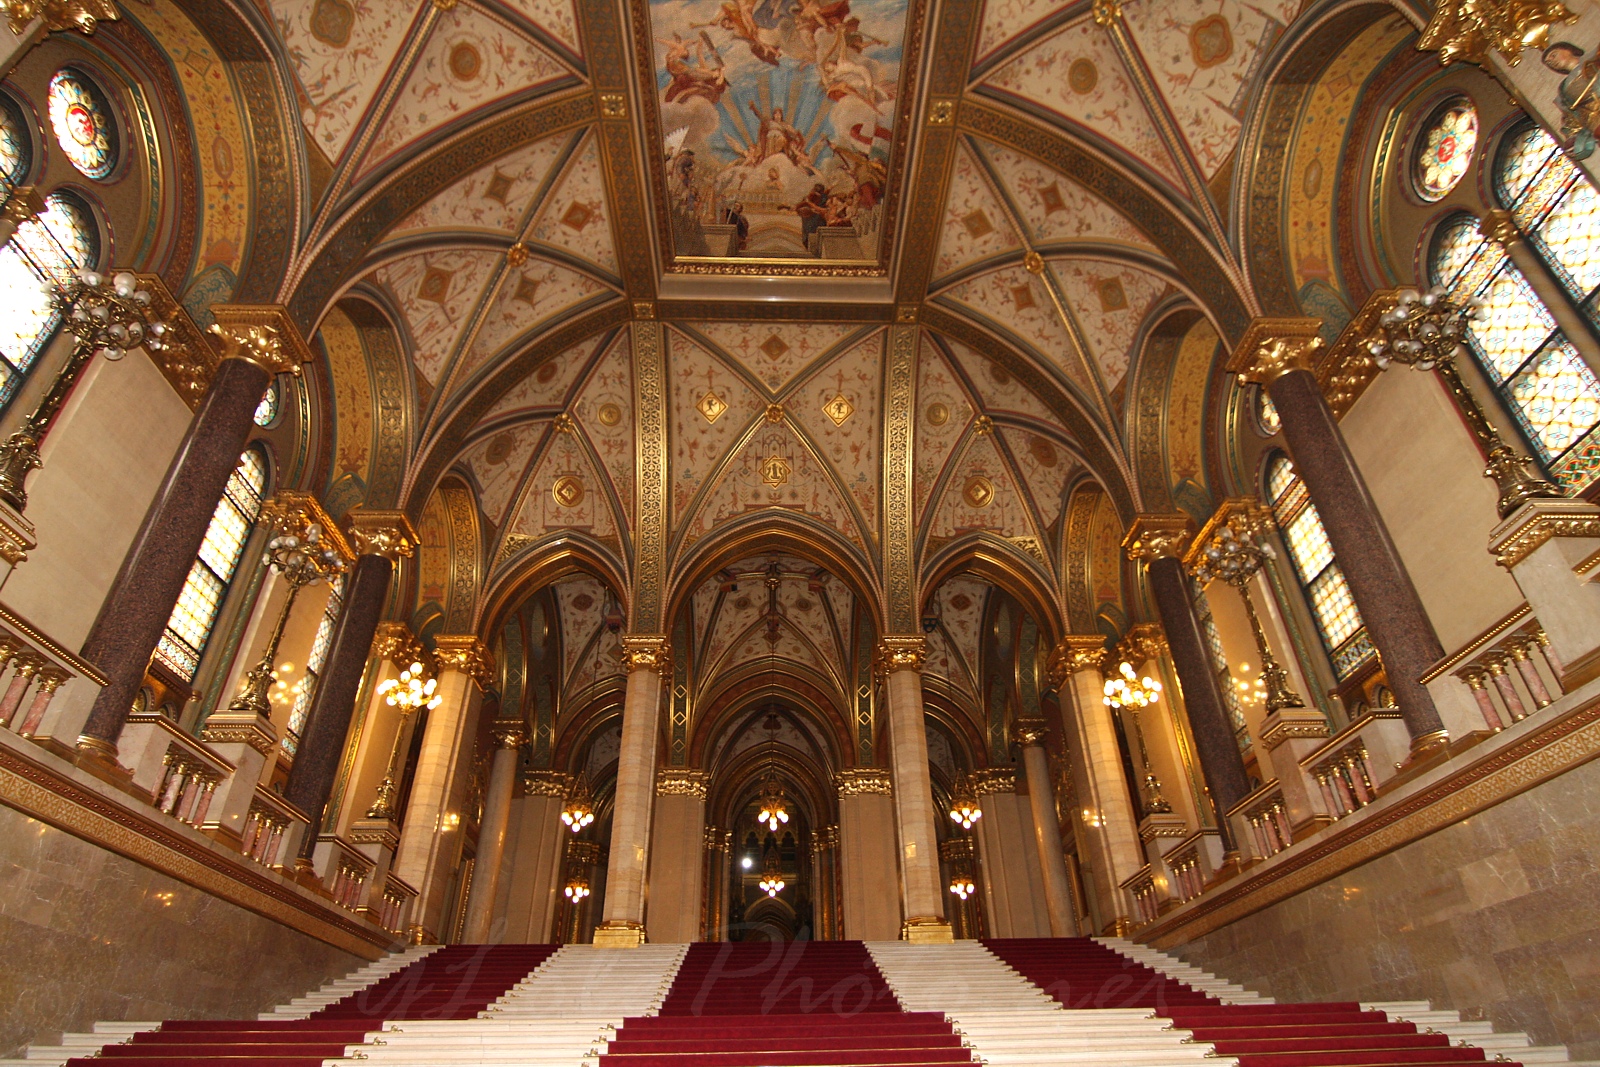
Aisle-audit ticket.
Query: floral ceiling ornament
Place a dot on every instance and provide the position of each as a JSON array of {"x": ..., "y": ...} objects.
[{"x": 1467, "y": 30}]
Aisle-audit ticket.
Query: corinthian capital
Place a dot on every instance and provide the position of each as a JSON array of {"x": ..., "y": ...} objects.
[
  {"x": 394, "y": 641},
  {"x": 1272, "y": 348},
  {"x": 1076, "y": 652},
  {"x": 1152, "y": 537},
  {"x": 1027, "y": 732},
  {"x": 80, "y": 15},
  {"x": 1469, "y": 29},
  {"x": 264, "y": 334},
  {"x": 647, "y": 652},
  {"x": 466, "y": 654},
  {"x": 509, "y": 733},
  {"x": 901, "y": 654},
  {"x": 381, "y": 533},
  {"x": 1143, "y": 642}
]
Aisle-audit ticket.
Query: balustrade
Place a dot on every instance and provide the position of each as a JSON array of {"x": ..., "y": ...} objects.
[
  {"x": 270, "y": 820},
  {"x": 397, "y": 898},
  {"x": 1141, "y": 889},
  {"x": 1267, "y": 817},
  {"x": 1188, "y": 879},
  {"x": 32, "y": 671},
  {"x": 1344, "y": 777}
]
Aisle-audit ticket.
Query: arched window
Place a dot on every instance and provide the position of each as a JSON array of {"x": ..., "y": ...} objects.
[
  {"x": 1554, "y": 204},
  {"x": 62, "y": 239},
  {"x": 81, "y": 118},
  {"x": 316, "y": 659},
  {"x": 195, "y": 615},
  {"x": 1343, "y": 633}
]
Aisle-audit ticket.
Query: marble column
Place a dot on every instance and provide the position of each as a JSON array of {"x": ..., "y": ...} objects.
[
  {"x": 677, "y": 860},
  {"x": 509, "y": 736},
  {"x": 1029, "y": 736},
  {"x": 430, "y": 838},
  {"x": 257, "y": 343},
  {"x": 718, "y": 849},
  {"x": 867, "y": 854},
  {"x": 1013, "y": 888},
  {"x": 1281, "y": 355},
  {"x": 900, "y": 658},
  {"x": 648, "y": 660},
  {"x": 530, "y": 888},
  {"x": 825, "y": 876},
  {"x": 1160, "y": 541},
  {"x": 378, "y": 537}
]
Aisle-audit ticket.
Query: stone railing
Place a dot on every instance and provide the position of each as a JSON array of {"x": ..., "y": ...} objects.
[
  {"x": 271, "y": 820},
  {"x": 1188, "y": 877},
  {"x": 1141, "y": 890},
  {"x": 396, "y": 904},
  {"x": 1510, "y": 670},
  {"x": 350, "y": 880},
  {"x": 32, "y": 671},
  {"x": 1265, "y": 815},
  {"x": 191, "y": 773},
  {"x": 1344, "y": 775}
]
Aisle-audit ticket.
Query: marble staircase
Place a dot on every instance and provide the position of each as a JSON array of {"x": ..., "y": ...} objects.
[{"x": 354, "y": 982}]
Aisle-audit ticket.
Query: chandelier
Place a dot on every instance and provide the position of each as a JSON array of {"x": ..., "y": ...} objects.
[
  {"x": 1126, "y": 689},
  {"x": 962, "y": 885},
  {"x": 578, "y": 811},
  {"x": 964, "y": 807},
  {"x": 773, "y": 810},
  {"x": 409, "y": 692},
  {"x": 577, "y": 888},
  {"x": 771, "y": 876}
]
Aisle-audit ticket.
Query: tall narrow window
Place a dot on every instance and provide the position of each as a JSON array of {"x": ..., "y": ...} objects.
[
  {"x": 43, "y": 250},
  {"x": 195, "y": 615},
  {"x": 316, "y": 659},
  {"x": 1344, "y": 635},
  {"x": 1219, "y": 663}
]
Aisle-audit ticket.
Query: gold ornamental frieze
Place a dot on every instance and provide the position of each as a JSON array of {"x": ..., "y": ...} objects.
[
  {"x": 988, "y": 781},
  {"x": 1272, "y": 347},
  {"x": 381, "y": 533},
  {"x": 546, "y": 783},
  {"x": 264, "y": 334},
  {"x": 1153, "y": 537},
  {"x": 682, "y": 783},
  {"x": 864, "y": 781},
  {"x": 1468, "y": 30},
  {"x": 58, "y": 15},
  {"x": 466, "y": 654}
]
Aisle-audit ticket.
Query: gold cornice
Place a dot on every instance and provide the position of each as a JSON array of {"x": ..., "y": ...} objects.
[
  {"x": 990, "y": 780},
  {"x": 295, "y": 510},
  {"x": 1153, "y": 537},
  {"x": 1074, "y": 653},
  {"x": 1528, "y": 529},
  {"x": 682, "y": 783},
  {"x": 863, "y": 781},
  {"x": 466, "y": 654},
  {"x": 381, "y": 533},
  {"x": 264, "y": 334},
  {"x": 1272, "y": 347}
]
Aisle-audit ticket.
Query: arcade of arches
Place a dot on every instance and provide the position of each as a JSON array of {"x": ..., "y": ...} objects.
[{"x": 615, "y": 472}]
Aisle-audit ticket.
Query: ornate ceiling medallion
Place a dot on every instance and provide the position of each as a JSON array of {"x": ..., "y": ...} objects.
[
  {"x": 775, "y": 471},
  {"x": 838, "y": 409},
  {"x": 938, "y": 414},
  {"x": 568, "y": 491},
  {"x": 978, "y": 492},
  {"x": 711, "y": 406},
  {"x": 610, "y": 414}
]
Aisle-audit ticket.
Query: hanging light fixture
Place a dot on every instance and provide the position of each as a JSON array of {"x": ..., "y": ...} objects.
[
  {"x": 774, "y": 810},
  {"x": 771, "y": 877},
  {"x": 964, "y": 807},
  {"x": 577, "y": 888},
  {"x": 1127, "y": 690},
  {"x": 578, "y": 811},
  {"x": 962, "y": 885}
]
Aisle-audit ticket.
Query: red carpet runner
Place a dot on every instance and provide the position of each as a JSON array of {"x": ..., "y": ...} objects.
[
  {"x": 1081, "y": 973},
  {"x": 783, "y": 1005},
  {"x": 456, "y": 982}
]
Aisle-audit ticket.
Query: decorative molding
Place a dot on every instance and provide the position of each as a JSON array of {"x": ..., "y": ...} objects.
[
  {"x": 394, "y": 641},
  {"x": 1536, "y": 522},
  {"x": 1027, "y": 732},
  {"x": 990, "y": 780},
  {"x": 58, "y": 15},
  {"x": 650, "y": 430},
  {"x": 899, "y": 536},
  {"x": 1143, "y": 642},
  {"x": 901, "y": 654},
  {"x": 1152, "y": 537},
  {"x": 466, "y": 654},
  {"x": 381, "y": 533},
  {"x": 543, "y": 783},
  {"x": 863, "y": 781},
  {"x": 1468, "y": 30},
  {"x": 1289, "y": 724},
  {"x": 1272, "y": 347},
  {"x": 682, "y": 783},
  {"x": 647, "y": 652},
  {"x": 264, "y": 334},
  {"x": 509, "y": 733},
  {"x": 233, "y": 728},
  {"x": 189, "y": 359}
]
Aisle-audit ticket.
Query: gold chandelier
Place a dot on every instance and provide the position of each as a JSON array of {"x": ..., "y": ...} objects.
[
  {"x": 773, "y": 808},
  {"x": 1126, "y": 689},
  {"x": 771, "y": 876},
  {"x": 410, "y": 692},
  {"x": 964, "y": 807},
  {"x": 577, "y": 888},
  {"x": 578, "y": 811},
  {"x": 962, "y": 885}
]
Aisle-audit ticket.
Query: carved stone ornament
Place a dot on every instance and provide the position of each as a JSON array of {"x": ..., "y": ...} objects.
[
  {"x": 543, "y": 783},
  {"x": 647, "y": 652},
  {"x": 509, "y": 733},
  {"x": 1152, "y": 537},
  {"x": 80, "y": 15},
  {"x": 466, "y": 654},
  {"x": 681, "y": 783},
  {"x": 1076, "y": 652},
  {"x": 264, "y": 334},
  {"x": 864, "y": 781},
  {"x": 382, "y": 533},
  {"x": 1026, "y": 732},
  {"x": 1272, "y": 348},
  {"x": 393, "y": 641},
  {"x": 253, "y": 730},
  {"x": 901, "y": 654},
  {"x": 1525, "y": 532},
  {"x": 1467, "y": 30},
  {"x": 988, "y": 781}
]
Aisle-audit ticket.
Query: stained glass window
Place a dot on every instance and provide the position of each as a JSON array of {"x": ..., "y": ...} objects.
[
  {"x": 1554, "y": 204},
  {"x": 81, "y": 119},
  {"x": 1445, "y": 149},
  {"x": 316, "y": 659},
  {"x": 1343, "y": 633},
  {"x": 1545, "y": 382},
  {"x": 195, "y": 615},
  {"x": 62, "y": 238},
  {"x": 267, "y": 410},
  {"x": 16, "y": 148},
  {"x": 1219, "y": 663}
]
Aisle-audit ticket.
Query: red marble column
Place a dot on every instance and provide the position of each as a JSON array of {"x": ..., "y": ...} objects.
[
  {"x": 257, "y": 342},
  {"x": 1281, "y": 355}
]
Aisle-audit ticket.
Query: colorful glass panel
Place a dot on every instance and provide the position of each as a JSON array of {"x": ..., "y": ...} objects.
[
  {"x": 16, "y": 150},
  {"x": 267, "y": 410},
  {"x": 1557, "y": 398},
  {"x": 1446, "y": 148},
  {"x": 1555, "y": 204},
  {"x": 60, "y": 240},
  {"x": 195, "y": 615},
  {"x": 315, "y": 660},
  {"x": 81, "y": 119}
]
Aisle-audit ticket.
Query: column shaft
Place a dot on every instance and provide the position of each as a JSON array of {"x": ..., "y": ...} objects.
[
  {"x": 157, "y": 563},
  {"x": 1388, "y": 602},
  {"x": 1220, "y": 760},
  {"x": 913, "y": 800},
  {"x": 1116, "y": 837},
  {"x": 492, "y": 838},
  {"x": 1047, "y": 834},
  {"x": 630, "y": 819}
]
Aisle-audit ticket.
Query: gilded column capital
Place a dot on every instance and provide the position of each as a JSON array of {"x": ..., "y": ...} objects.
[
  {"x": 466, "y": 654},
  {"x": 1467, "y": 30},
  {"x": 381, "y": 533},
  {"x": 295, "y": 511},
  {"x": 58, "y": 15},
  {"x": 509, "y": 733},
  {"x": 1246, "y": 521},
  {"x": 1271, "y": 348},
  {"x": 394, "y": 641},
  {"x": 1074, "y": 653},
  {"x": 677, "y": 782},
  {"x": 904, "y": 653},
  {"x": 1152, "y": 537},
  {"x": 988, "y": 781},
  {"x": 264, "y": 334},
  {"x": 1027, "y": 732},
  {"x": 1143, "y": 642},
  {"x": 647, "y": 652},
  {"x": 546, "y": 783},
  {"x": 864, "y": 781}
]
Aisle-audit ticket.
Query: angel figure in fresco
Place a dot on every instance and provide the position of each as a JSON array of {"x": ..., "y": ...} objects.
[
  {"x": 778, "y": 137},
  {"x": 869, "y": 174},
  {"x": 702, "y": 79},
  {"x": 738, "y": 17},
  {"x": 812, "y": 16},
  {"x": 845, "y": 71}
]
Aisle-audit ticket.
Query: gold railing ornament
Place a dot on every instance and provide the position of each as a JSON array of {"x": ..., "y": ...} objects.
[
  {"x": 1428, "y": 331},
  {"x": 108, "y": 315},
  {"x": 1469, "y": 29},
  {"x": 80, "y": 15}
]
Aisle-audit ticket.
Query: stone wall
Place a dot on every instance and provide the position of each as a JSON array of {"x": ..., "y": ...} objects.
[
  {"x": 87, "y": 935},
  {"x": 1497, "y": 916}
]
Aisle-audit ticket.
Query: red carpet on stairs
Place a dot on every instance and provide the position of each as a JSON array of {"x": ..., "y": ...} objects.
[
  {"x": 1081, "y": 973},
  {"x": 456, "y": 982},
  {"x": 801, "y": 1004}
]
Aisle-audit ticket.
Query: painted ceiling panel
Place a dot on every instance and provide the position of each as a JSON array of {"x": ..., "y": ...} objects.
[
  {"x": 1202, "y": 53},
  {"x": 564, "y": 493},
  {"x": 1077, "y": 76},
  {"x": 983, "y": 495},
  {"x": 574, "y": 215},
  {"x": 436, "y": 293},
  {"x": 839, "y": 408},
  {"x": 527, "y": 296},
  {"x": 943, "y": 662},
  {"x": 976, "y": 227},
  {"x": 600, "y": 662},
  {"x": 340, "y": 53},
  {"x": 1046, "y": 468},
  {"x": 739, "y": 611},
  {"x": 469, "y": 60},
  {"x": 998, "y": 390},
  {"x": 943, "y": 411},
  {"x": 1017, "y": 301},
  {"x": 492, "y": 199},
  {"x": 1109, "y": 300},
  {"x": 710, "y": 407},
  {"x": 1056, "y": 208},
  {"x": 605, "y": 409},
  {"x": 775, "y": 352},
  {"x": 547, "y": 386},
  {"x": 498, "y": 464},
  {"x": 803, "y": 609},
  {"x": 582, "y": 602},
  {"x": 1004, "y": 20},
  {"x": 555, "y": 17}
]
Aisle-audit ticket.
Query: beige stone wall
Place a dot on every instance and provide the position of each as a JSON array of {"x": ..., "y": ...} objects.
[
  {"x": 1494, "y": 916},
  {"x": 88, "y": 935}
]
